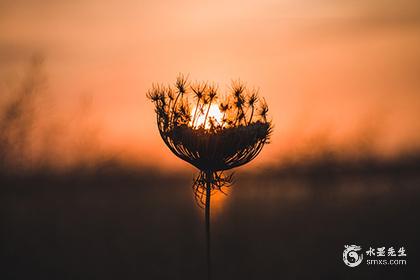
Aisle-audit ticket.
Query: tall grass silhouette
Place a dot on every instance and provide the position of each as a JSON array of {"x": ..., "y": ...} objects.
[{"x": 213, "y": 139}]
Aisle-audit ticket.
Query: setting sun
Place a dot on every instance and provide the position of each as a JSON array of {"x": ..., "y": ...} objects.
[{"x": 213, "y": 114}]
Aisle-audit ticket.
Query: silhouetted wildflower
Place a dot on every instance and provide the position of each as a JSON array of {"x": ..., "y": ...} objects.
[{"x": 212, "y": 145}]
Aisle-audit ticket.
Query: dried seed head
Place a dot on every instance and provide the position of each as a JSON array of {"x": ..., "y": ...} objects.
[
  {"x": 214, "y": 144},
  {"x": 253, "y": 98},
  {"x": 181, "y": 83}
]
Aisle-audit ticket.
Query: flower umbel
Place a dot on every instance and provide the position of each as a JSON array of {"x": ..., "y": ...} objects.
[{"x": 212, "y": 146}]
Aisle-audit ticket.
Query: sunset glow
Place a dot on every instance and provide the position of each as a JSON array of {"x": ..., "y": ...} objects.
[
  {"x": 337, "y": 76},
  {"x": 214, "y": 114},
  {"x": 214, "y": 139}
]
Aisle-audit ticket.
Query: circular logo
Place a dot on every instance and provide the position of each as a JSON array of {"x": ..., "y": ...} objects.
[{"x": 351, "y": 257}]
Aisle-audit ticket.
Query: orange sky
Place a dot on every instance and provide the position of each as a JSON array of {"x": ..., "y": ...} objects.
[{"x": 341, "y": 75}]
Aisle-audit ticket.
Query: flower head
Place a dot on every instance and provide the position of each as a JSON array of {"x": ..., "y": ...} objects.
[{"x": 211, "y": 144}]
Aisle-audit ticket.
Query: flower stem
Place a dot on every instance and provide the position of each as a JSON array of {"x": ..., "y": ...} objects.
[
  {"x": 252, "y": 114},
  {"x": 208, "y": 109},
  {"x": 195, "y": 113},
  {"x": 207, "y": 217}
]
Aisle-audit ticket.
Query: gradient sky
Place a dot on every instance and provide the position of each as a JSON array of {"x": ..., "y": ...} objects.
[{"x": 338, "y": 75}]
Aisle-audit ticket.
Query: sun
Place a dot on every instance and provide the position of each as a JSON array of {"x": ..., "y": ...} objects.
[{"x": 214, "y": 113}]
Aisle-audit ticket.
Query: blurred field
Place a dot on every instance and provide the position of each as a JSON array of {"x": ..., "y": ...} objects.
[{"x": 127, "y": 224}]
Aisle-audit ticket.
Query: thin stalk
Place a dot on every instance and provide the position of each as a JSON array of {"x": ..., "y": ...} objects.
[
  {"x": 207, "y": 217},
  {"x": 174, "y": 106},
  {"x": 208, "y": 109},
  {"x": 169, "y": 107},
  {"x": 243, "y": 114},
  {"x": 196, "y": 109},
  {"x": 223, "y": 119},
  {"x": 199, "y": 113},
  {"x": 252, "y": 114},
  {"x": 237, "y": 116}
]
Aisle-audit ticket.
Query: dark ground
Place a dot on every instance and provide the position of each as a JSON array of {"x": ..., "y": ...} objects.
[{"x": 120, "y": 224}]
